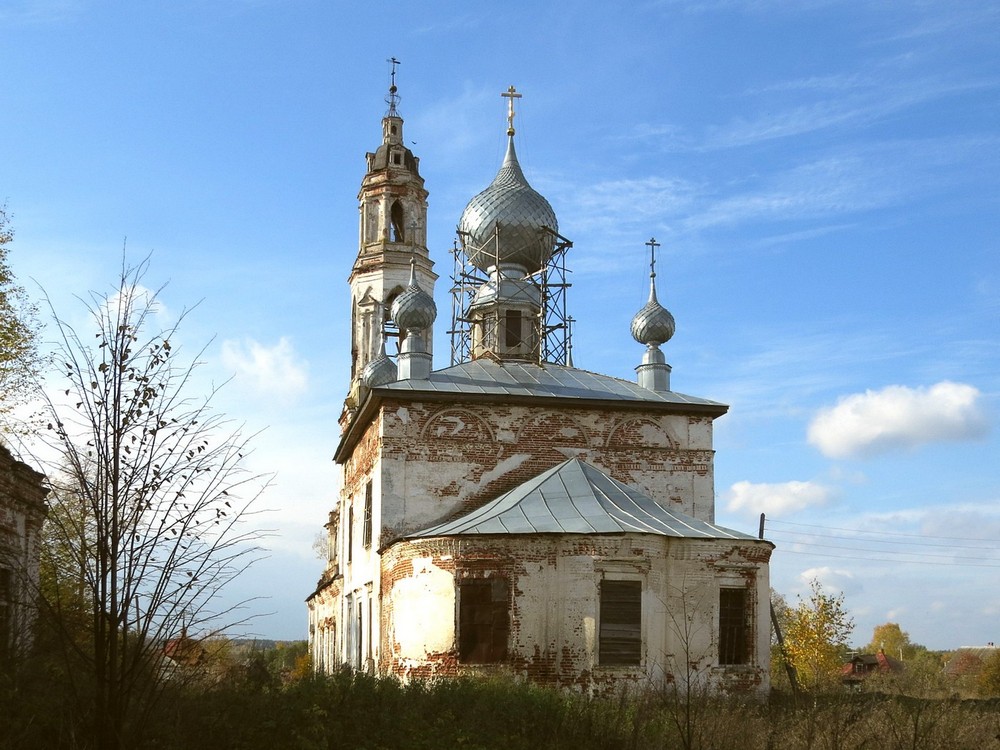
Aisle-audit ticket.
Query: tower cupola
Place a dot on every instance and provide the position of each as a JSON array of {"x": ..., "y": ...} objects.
[
  {"x": 653, "y": 325},
  {"x": 414, "y": 312}
]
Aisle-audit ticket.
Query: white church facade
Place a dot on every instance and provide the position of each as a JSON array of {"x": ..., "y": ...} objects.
[{"x": 512, "y": 512}]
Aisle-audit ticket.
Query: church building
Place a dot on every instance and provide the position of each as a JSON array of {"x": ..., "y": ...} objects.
[{"x": 511, "y": 512}]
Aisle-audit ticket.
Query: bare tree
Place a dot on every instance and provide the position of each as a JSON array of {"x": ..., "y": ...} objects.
[{"x": 151, "y": 497}]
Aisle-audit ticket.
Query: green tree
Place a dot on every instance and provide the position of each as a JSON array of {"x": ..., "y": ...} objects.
[
  {"x": 816, "y": 637},
  {"x": 150, "y": 496},
  {"x": 19, "y": 359}
]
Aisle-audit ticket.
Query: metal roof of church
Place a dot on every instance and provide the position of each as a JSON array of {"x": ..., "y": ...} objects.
[
  {"x": 487, "y": 377},
  {"x": 576, "y": 498}
]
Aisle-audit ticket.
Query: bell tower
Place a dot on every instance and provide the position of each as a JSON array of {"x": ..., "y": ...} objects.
[{"x": 392, "y": 233}]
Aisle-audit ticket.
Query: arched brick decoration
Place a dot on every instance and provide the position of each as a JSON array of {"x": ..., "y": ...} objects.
[
  {"x": 457, "y": 424},
  {"x": 639, "y": 433}
]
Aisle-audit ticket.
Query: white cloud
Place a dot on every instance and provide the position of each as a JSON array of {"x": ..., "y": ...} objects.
[
  {"x": 832, "y": 580},
  {"x": 776, "y": 499},
  {"x": 898, "y": 417},
  {"x": 275, "y": 371}
]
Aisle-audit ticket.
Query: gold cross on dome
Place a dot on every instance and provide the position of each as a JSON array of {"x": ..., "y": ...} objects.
[{"x": 510, "y": 95}]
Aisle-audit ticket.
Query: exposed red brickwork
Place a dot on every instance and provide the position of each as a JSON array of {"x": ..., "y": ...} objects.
[{"x": 359, "y": 464}]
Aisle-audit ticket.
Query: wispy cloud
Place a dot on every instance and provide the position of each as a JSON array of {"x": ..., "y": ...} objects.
[
  {"x": 896, "y": 417},
  {"x": 452, "y": 23},
  {"x": 29, "y": 12},
  {"x": 832, "y": 580},
  {"x": 274, "y": 371},
  {"x": 776, "y": 499}
]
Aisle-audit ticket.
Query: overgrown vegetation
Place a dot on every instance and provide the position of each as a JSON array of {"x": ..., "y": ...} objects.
[{"x": 349, "y": 710}]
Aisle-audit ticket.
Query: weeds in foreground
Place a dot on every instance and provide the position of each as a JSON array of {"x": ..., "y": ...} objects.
[{"x": 361, "y": 712}]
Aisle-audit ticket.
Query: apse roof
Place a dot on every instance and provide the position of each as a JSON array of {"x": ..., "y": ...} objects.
[
  {"x": 576, "y": 498},
  {"x": 524, "y": 379}
]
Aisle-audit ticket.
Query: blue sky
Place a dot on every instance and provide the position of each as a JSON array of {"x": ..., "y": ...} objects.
[{"x": 824, "y": 178}]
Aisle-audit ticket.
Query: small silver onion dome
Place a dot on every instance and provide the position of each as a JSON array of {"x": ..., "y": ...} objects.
[
  {"x": 414, "y": 309},
  {"x": 380, "y": 370},
  {"x": 653, "y": 324},
  {"x": 511, "y": 205}
]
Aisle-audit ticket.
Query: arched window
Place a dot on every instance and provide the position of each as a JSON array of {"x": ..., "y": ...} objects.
[{"x": 396, "y": 220}]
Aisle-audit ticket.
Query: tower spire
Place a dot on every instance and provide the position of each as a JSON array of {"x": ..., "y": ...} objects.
[{"x": 393, "y": 98}]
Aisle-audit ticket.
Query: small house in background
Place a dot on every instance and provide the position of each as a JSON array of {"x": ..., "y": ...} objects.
[
  {"x": 966, "y": 663},
  {"x": 22, "y": 511},
  {"x": 863, "y": 666}
]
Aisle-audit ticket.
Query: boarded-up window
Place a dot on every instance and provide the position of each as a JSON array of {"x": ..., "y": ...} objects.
[
  {"x": 483, "y": 621},
  {"x": 734, "y": 628},
  {"x": 366, "y": 534},
  {"x": 621, "y": 622}
]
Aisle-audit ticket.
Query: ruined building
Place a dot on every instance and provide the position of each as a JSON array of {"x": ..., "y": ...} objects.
[
  {"x": 22, "y": 510},
  {"x": 510, "y": 511}
]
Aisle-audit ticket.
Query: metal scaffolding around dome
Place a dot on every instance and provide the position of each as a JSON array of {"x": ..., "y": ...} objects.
[{"x": 553, "y": 328}]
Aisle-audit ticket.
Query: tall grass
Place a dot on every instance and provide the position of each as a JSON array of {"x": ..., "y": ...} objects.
[{"x": 361, "y": 712}]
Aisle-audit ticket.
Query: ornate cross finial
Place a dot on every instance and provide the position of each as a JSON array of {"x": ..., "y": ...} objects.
[
  {"x": 652, "y": 245},
  {"x": 510, "y": 95},
  {"x": 393, "y": 99}
]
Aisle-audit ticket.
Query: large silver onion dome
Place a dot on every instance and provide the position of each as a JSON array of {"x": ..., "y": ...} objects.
[
  {"x": 511, "y": 205},
  {"x": 653, "y": 324},
  {"x": 414, "y": 309}
]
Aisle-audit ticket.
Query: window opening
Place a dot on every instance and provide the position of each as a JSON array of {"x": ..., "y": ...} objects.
[
  {"x": 512, "y": 328},
  {"x": 366, "y": 533},
  {"x": 369, "y": 629},
  {"x": 350, "y": 531},
  {"x": 484, "y": 621},
  {"x": 621, "y": 623},
  {"x": 396, "y": 220},
  {"x": 734, "y": 630},
  {"x": 357, "y": 662}
]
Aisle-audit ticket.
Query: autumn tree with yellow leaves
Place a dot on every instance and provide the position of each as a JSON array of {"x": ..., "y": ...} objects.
[{"x": 816, "y": 632}]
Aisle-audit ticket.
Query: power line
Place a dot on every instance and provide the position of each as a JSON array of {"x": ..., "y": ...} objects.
[
  {"x": 883, "y": 551},
  {"x": 884, "y": 533},
  {"x": 897, "y": 561}
]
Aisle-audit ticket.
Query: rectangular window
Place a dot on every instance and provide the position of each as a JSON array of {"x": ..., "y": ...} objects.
[
  {"x": 621, "y": 623},
  {"x": 350, "y": 531},
  {"x": 366, "y": 534},
  {"x": 369, "y": 628},
  {"x": 512, "y": 328},
  {"x": 483, "y": 621},
  {"x": 734, "y": 627}
]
